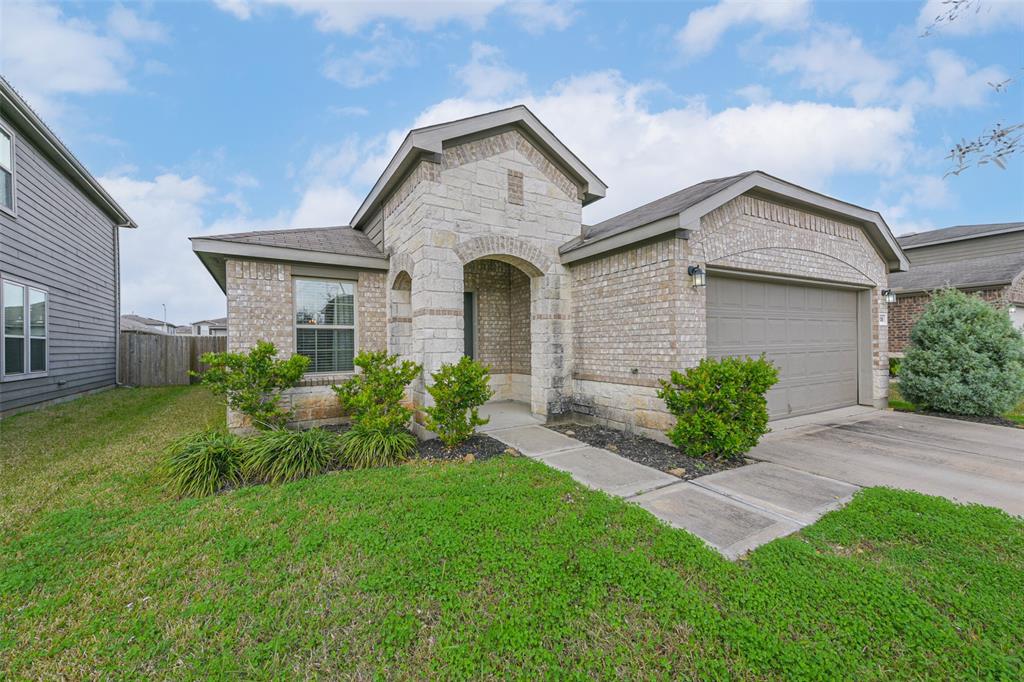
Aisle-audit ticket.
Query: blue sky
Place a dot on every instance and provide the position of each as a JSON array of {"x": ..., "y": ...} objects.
[{"x": 228, "y": 116}]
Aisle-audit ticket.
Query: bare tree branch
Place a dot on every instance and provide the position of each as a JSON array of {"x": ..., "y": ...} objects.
[{"x": 954, "y": 9}]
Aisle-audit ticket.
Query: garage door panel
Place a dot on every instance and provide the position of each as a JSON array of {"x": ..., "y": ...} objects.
[{"x": 809, "y": 332}]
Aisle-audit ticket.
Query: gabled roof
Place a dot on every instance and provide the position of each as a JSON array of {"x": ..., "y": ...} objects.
[
  {"x": 338, "y": 246},
  {"x": 431, "y": 140},
  {"x": 956, "y": 233},
  {"x": 971, "y": 273},
  {"x": 683, "y": 210},
  {"x": 21, "y": 114},
  {"x": 142, "y": 319}
]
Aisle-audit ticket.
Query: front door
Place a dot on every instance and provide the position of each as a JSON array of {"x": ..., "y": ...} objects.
[{"x": 469, "y": 326}]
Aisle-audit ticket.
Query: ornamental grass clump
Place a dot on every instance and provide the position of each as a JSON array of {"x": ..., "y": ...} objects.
[
  {"x": 374, "y": 399},
  {"x": 719, "y": 405},
  {"x": 458, "y": 391},
  {"x": 203, "y": 463},
  {"x": 282, "y": 455},
  {"x": 964, "y": 357}
]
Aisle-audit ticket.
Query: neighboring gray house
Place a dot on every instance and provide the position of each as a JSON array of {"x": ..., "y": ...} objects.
[
  {"x": 986, "y": 260},
  {"x": 135, "y": 322},
  {"x": 472, "y": 242},
  {"x": 215, "y": 327},
  {"x": 59, "y": 287}
]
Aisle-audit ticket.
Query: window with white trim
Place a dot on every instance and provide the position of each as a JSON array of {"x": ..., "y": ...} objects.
[
  {"x": 6, "y": 170},
  {"x": 24, "y": 330},
  {"x": 325, "y": 324}
]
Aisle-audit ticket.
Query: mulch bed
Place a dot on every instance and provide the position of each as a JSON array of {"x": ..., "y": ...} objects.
[
  {"x": 480, "y": 446},
  {"x": 994, "y": 421},
  {"x": 646, "y": 451}
]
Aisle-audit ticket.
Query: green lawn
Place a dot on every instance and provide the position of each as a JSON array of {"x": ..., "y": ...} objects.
[
  {"x": 492, "y": 569},
  {"x": 897, "y": 403}
]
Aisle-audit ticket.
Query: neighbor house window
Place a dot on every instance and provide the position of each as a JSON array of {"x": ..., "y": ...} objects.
[
  {"x": 6, "y": 170},
  {"x": 24, "y": 330},
  {"x": 325, "y": 323}
]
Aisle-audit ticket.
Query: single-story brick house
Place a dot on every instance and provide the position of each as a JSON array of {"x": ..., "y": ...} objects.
[
  {"x": 986, "y": 260},
  {"x": 472, "y": 242}
]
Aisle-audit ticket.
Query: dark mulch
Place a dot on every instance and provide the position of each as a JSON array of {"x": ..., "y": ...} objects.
[
  {"x": 480, "y": 446},
  {"x": 646, "y": 451},
  {"x": 995, "y": 421}
]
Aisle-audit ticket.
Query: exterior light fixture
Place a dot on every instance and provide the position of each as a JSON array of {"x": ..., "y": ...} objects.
[
  {"x": 699, "y": 278},
  {"x": 1012, "y": 308},
  {"x": 888, "y": 295}
]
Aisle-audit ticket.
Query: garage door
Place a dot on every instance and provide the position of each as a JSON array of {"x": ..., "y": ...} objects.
[{"x": 809, "y": 332}]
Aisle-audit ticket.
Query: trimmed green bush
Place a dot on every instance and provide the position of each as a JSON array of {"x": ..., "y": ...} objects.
[
  {"x": 458, "y": 391},
  {"x": 894, "y": 366},
  {"x": 374, "y": 396},
  {"x": 964, "y": 357},
  {"x": 282, "y": 455},
  {"x": 200, "y": 464},
  {"x": 719, "y": 405},
  {"x": 365, "y": 446},
  {"x": 252, "y": 382}
]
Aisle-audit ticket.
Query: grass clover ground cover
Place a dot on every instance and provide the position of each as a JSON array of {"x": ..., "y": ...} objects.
[{"x": 503, "y": 568}]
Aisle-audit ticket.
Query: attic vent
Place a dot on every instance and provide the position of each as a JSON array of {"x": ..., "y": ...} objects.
[{"x": 515, "y": 187}]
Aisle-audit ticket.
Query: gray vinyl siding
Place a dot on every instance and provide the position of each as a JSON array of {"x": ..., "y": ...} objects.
[
  {"x": 1011, "y": 242},
  {"x": 62, "y": 242},
  {"x": 375, "y": 230}
]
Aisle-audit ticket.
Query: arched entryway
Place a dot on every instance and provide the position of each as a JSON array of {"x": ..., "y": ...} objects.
[{"x": 497, "y": 325}]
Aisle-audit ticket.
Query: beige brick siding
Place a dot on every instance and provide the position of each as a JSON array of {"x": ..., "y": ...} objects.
[
  {"x": 261, "y": 307},
  {"x": 500, "y": 343}
]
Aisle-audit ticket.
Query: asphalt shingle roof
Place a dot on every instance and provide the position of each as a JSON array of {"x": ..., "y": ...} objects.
[
  {"x": 999, "y": 269},
  {"x": 674, "y": 203},
  {"x": 956, "y": 232},
  {"x": 342, "y": 239}
]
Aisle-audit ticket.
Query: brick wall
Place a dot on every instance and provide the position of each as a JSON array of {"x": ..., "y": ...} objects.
[
  {"x": 261, "y": 307},
  {"x": 503, "y": 315},
  {"x": 903, "y": 314}
]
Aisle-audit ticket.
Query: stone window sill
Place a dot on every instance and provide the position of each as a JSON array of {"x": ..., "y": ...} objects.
[{"x": 325, "y": 379}]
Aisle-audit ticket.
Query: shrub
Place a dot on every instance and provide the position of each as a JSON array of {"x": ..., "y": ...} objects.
[
  {"x": 719, "y": 405},
  {"x": 282, "y": 455},
  {"x": 202, "y": 463},
  {"x": 894, "y": 366},
  {"x": 964, "y": 357},
  {"x": 252, "y": 382},
  {"x": 374, "y": 396},
  {"x": 458, "y": 391},
  {"x": 366, "y": 446}
]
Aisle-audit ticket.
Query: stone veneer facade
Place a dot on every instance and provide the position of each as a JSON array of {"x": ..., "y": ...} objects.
[
  {"x": 261, "y": 308},
  {"x": 592, "y": 338}
]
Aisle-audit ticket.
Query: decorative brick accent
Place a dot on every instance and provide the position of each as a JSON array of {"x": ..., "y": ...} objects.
[
  {"x": 372, "y": 311},
  {"x": 515, "y": 187}
]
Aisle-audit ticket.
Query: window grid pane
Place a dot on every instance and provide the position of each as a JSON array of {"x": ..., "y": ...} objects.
[
  {"x": 328, "y": 350},
  {"x": 14, "y": 309},
  {"x": 6, "y": 149},
  {"x": 324, "y": 303},
  {"x": 37, "y": 313},
  {"x": 14, "y": 355},
  {"x": 325, "y": 324},
  {"x": 37, "y": 353}
]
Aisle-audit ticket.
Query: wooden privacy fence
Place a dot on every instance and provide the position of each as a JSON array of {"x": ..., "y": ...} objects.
[{"x": 164, "y": 360}]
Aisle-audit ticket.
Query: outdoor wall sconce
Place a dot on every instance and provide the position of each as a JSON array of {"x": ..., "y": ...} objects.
[
  {"x": 888, "y": 295},
  {"x": 699, "y": 278},
  {"x": 1012, "y": 308}
]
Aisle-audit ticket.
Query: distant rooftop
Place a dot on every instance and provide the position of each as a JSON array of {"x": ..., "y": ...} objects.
[{"x": 956, "y": 233}]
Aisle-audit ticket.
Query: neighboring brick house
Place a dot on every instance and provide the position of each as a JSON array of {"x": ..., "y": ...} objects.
[
  {"x": 472, "y": 242},
  {"x": 986, "y": 260}
]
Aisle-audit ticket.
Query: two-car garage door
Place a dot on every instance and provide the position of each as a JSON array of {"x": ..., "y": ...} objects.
[{"x": 809, "y": 332}]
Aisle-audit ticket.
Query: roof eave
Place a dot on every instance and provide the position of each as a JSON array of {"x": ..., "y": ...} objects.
[
  {"x": 27, "y": 119},
  {"x": 689, "y": 218},
  {"x": 213, "y": 252}
]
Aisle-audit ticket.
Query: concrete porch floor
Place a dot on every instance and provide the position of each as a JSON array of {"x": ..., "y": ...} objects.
[{"x": 504, "y": 414}]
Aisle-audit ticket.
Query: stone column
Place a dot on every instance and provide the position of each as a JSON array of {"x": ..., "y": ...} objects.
[{"x": 551, "y": 342}]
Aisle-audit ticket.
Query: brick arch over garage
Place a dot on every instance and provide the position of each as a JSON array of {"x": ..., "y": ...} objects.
[
  {"x": 779, "y": 260},
  {"x": 517, "y": 252}
]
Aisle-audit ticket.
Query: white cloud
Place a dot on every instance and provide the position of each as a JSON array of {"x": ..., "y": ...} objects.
[
  {"x": 644, "y": 153},
  {"x": 952, "y": 83},
  {"x": 755, "y": 93},
  {"x": 704, "y": 27},
  {"x": 157, "y": 264},
  {"x": 487, "y": 75},
  {"x": 325, "y": 205},
  {"x": 536, "y": 16},
  {"x": 349, "y": 111},
  {"x": 834, "y": 60},
  {"x": 348, "y": 17},
  {"x": 372, "y": 65},
  {"x": 127, "y": 24},
  {"x": 981, "y": 16}
]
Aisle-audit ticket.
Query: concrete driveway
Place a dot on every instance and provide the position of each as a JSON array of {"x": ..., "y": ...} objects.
[{"x": 962, "y": 461}]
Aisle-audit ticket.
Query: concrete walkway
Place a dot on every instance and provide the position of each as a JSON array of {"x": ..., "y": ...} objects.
[{"x": 734, "y": 511}]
